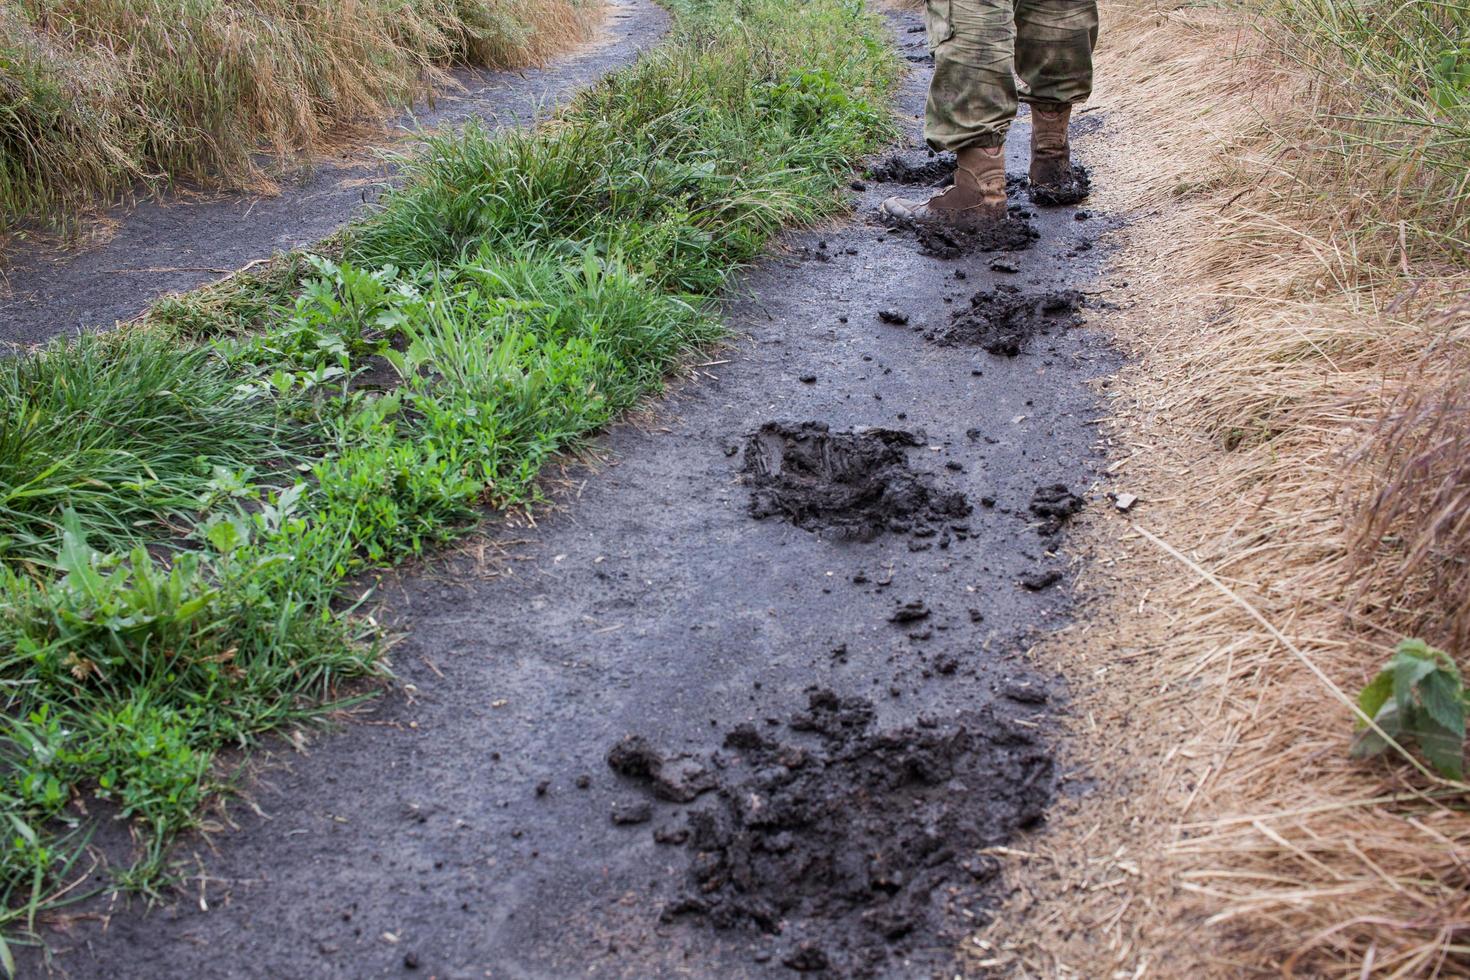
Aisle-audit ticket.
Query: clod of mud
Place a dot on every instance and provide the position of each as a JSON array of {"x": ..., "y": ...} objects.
[
  {"x": 845, "y": 484},
  {"x": 1004, "y": 319},
  {"x": 1037, "y": 581},
  {"x": 910, "y": 612},
  {"x": 632, "y": 812},
  {"x": 1054, "y": 504},
  {"x": 931, "y": 172},
  {"x": 677, "y": 778},
  {"x": 852, "y": 851},
  {"x": 1072, "y": 192},
  {"x": 1014, "y": 234}
]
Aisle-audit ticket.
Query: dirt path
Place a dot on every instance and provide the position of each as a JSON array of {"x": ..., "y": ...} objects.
[
  {"x": 182, "y": 241},
  {"x": 827, "y": 681}
]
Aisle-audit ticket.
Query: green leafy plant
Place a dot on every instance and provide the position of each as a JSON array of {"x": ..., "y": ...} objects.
[{"x": 1417, "y": 698}]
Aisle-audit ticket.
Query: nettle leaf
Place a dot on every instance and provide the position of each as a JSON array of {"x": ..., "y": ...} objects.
[
  {"x": 1368, "y": 742},
  {"x": 1409, "y": 668},
  {"x": 1444, "y": 749},
  {"x": 1417, "y": 699},
  {"x": 1443, "y": 700},
  {"x": 1373, "y": 697}
]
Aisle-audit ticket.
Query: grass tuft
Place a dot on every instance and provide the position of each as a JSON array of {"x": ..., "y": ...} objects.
[{"x": 101, "y": 95}]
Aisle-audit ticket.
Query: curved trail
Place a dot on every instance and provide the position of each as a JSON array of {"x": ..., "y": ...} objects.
[
  {"x": 179, "y": 243},
  {"x": 467, "y": 830}
]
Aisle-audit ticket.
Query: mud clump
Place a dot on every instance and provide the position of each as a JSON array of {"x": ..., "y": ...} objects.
[
  {"x": 1054, "y": 505},
  {"x": 1073, "y": 191},
  {"x": 1039, "y": 581},
  {"x": 1003, "y": 320},
  {"x": 676, "y": 778},
  {"x": 846, "y": 485},
  {"x": 853, "y": 852},
  {"x": 932, "y": 172},
  {"x": 947, "y": 242}
]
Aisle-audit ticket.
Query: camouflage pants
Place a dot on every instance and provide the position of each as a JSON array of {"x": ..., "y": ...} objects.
[{"x": 981, "y": 46}]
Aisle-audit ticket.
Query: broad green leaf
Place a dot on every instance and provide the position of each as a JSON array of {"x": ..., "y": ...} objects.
[
  {"x": 1444, "y": 701},
  {"x": 1409, "y": 668},
  {"x": 1444, "y": 749},
  {"x": 76, "y": 558},
  {"x": 224, "y": 536},
  {"x": 1374, "y": 695},
  {"x": 1368, "y": 742}
]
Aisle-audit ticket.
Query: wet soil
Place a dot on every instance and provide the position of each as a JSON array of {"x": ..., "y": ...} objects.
[
  {"x": 1013, "y": 234},
  {"x": 848, "y": 852},
  {"x": 847, "y": 484},
  {"x": 1005, "y": 319},
  {"x": 1054, "y": 505},
  {"x": 1073, "y": 191},
  {"x": 185, "y": 239},
  {"x": 934, "y": 170},
  {"x": 523, "y": 803}
]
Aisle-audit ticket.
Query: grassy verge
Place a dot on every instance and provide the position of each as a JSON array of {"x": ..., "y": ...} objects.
[
  {"x": 183, "y": 500},
  {"x": 101, "y": 95},
  {"x": 1296, "y": 429}
]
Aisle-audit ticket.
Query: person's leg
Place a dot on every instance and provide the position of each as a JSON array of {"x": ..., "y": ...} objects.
[
  {"x": 972, "y": 100},
  {"x": 972, "y": 96},
  {"x": 1054, "y": 43}
]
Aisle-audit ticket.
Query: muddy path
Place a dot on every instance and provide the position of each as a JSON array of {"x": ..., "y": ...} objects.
[
  {"x": 752, "y": 702},
  {"x": 182, "y": 241}
]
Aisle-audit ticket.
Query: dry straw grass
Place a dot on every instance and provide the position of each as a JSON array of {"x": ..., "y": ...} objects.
[
  {"x": 97, "y": 96},
  {"x": 1296, "y": 422}
]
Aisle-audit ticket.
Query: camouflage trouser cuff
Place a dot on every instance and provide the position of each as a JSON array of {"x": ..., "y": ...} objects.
[{"x": 980, "y": 46}]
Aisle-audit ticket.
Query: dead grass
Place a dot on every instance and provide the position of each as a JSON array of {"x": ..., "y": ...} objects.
[
  {"x": 100, "y": 96},
  {"x": 1296, "y": 423}
]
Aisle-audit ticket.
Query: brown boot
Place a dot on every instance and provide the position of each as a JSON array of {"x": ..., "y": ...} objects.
[
  {"x": 977, "y": 197},
  {"x": 1052, "y": 177}
]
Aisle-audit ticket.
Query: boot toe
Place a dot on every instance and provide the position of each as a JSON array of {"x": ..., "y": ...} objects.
[{"x": 900, "y": 208}]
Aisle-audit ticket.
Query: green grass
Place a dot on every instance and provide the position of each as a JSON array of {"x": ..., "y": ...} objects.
[{"x": 184, "y": 501}]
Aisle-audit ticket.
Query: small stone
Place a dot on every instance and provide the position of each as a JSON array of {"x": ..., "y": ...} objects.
[{"x": 896, "y": 317}]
